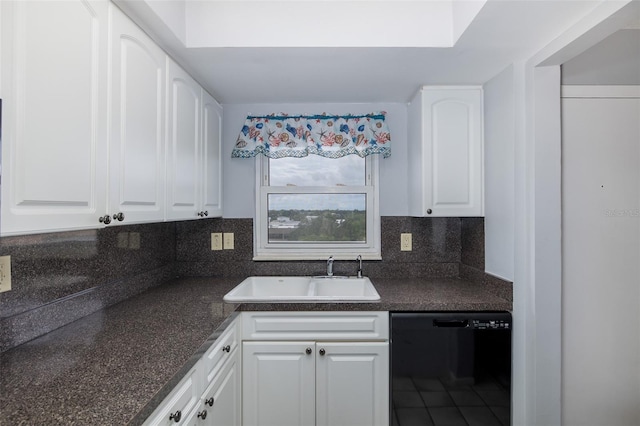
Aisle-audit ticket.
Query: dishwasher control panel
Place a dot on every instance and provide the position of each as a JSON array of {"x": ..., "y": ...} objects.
[{"x": 491, "y": 324}]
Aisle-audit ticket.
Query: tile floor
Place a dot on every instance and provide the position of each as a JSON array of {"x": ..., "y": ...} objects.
[{"x": 431, "y": 402}]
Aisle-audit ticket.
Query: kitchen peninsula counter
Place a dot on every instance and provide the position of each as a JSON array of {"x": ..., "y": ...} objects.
[{"x": 116, "y": 365}]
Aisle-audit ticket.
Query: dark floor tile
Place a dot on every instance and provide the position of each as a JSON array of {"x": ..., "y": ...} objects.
[
  {"x": 503, "y": 414},
  {"x": 402, "y": 399},
  {"x": 466, "y": 398},
  {"x": 437, "y": 399},
  {"x": 487, "y": 384},
  {"x": 413, "y": 417},
  {"x": 428, "y": 384},
  {"x": 402, "y": 383},
  {"x": 500, "y": 398},
  {"x": 447, "y": 416},
  {"x": 479, "y": 416}
]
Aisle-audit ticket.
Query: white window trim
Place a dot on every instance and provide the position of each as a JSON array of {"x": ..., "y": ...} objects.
[{"x": 263, "y": 250}]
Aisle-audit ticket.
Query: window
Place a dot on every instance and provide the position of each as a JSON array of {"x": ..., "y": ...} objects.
[{"x": 315, "y": 207}]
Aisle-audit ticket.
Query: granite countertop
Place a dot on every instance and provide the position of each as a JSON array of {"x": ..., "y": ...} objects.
[{"x": 116, "y": 365}]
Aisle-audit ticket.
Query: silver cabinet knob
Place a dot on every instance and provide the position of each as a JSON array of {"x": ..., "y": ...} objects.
[
  {"x": 308, "y": 351},
  {"x": 118, "y": 216},
  {"x": 106, "y": 219},
  {"x": 206, "y": 213},
  {"x": 226, "y": 348},
  {"x": 429, "y": 211},
  {"x": 209, "y": 402},
  {"x": 202, "y": 414},
  {"x": 322, "y": 351}
]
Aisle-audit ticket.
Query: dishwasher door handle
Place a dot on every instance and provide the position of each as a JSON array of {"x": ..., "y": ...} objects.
[{"x": 452, "y": 323}]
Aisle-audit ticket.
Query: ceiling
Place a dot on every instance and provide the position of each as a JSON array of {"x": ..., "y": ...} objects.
[{"x": 502, "y": 32}]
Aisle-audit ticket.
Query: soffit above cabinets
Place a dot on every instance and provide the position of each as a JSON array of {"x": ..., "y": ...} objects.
[{"x": 296, "y": 51}]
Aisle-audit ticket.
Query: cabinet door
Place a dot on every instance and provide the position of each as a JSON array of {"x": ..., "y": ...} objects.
[
  {"x": 183, "y": 144},
  {"x": 222, "y": 399},
  {"x": 278, "y": 383},
  {"x": 352, "y": 383},
  {"x": 136, "y": 156},
  {"x": 54, "y": 101},
  {"x": 448, "y": 142},
  {"x": 211, "y": 156}
]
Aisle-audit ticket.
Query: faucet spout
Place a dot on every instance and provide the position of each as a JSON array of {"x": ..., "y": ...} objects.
[
  {"x": 359, "y": 260},
  {"x": 330, "y": 266}
]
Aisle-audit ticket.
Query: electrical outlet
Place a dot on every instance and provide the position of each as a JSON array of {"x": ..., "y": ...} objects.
[
  {"x": 5, "y": 273},
  {"x": 228, "y": 240},
  {"x": 405, "y": 242},
  {"x": 216, "y": 241},
  {"x": 134, "y": 240},
  {"x": 123, "y": 240}
]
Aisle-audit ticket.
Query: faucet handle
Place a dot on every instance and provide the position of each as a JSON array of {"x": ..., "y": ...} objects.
[{"x": 359, "y": 260}]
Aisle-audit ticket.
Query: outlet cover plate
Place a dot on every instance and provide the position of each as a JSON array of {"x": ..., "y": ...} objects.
[
  {"x": 5, "y": 273},
  {"x": 228, "y": 241},
  {"x": 405, "y": 242}
]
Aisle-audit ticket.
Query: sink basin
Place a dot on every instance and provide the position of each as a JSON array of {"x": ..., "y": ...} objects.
[
  {"x": 346, "y": 287},
  {"x": 303, "y": 289}
]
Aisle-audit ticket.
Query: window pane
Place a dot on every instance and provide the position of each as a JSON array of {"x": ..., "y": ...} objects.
[
  {"x": 317, "y": 218},
  {"x": 315, "y": 170}
]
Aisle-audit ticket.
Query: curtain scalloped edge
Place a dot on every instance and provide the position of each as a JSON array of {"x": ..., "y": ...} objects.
[{"x": 242, "y": 153}]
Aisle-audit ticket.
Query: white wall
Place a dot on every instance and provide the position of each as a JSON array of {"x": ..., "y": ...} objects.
[
  {"x": 613, "y": 61},
  {"x": 239, "y": 173},
  {"x": 499, "y": 140},
  {"x": 601, "y": 269}
]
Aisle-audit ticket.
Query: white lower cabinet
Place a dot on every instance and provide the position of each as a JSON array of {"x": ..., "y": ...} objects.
[
  {"x": 220, "y": 404},
  {"x": 209, "y": 395},
  {"x": 352, "y": 383},
  {"x": 278, "y": 383},
  {"x": 180, "y": 403},
  {"x": 315, "y": 383},
  {"x": 288, "y": 369},
  {"x": 334, "y": 378}
]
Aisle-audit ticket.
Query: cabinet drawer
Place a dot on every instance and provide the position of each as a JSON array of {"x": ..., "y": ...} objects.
[
  {"x": 221, "y": 350},
  {"x": 180, "y": 402},
  {"x": 315, "y": 325}
]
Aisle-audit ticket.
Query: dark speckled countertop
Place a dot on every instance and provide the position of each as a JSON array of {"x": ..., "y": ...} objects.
[{"x": 116, "y": 365}]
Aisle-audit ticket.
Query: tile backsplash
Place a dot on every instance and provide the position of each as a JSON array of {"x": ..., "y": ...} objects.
[
  {"x": 437, "y": 251},
  {"x": 60, "y": 277}
]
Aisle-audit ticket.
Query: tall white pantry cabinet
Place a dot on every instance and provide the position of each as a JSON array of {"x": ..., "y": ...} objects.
[
  {"x": 84, "y": 122},
  {"x": 446, "y": 151}
]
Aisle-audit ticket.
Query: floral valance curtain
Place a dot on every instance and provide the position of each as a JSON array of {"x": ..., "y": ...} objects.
[{"x": 332, "y": 136}]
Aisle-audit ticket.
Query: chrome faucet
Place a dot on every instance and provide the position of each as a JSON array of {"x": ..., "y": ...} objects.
[
  {"x": 330, "y": 266},
  {"x": 359, "y": 260}
]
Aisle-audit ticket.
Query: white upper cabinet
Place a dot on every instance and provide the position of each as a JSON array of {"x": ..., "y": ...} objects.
[
  {"x": 54, "y": 102},
  {"x": 211, "y": 156},
  {"x": 194, "y": 125},
  {"x": 98, "y": 124},
  {"x": 446, "y": 152},
  {"x": 184, "y": 103},
  {"x": 136, "y": 146}
]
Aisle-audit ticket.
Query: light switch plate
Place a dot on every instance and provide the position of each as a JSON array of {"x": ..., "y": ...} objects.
[
  {"x": 5, "y": 273},
  {"x": 405, "y": 242},
  {"x": 216, "y": 241},
  {"x": 228, "y": 240}
]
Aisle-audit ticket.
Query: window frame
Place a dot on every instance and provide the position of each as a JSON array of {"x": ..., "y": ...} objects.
[{"x": 264, "y": 250}]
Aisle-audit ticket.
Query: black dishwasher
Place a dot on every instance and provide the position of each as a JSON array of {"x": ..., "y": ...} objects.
[{"x": 451, "y": 368}]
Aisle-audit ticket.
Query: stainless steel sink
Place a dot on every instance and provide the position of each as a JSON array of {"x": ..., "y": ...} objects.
[{"x": 303, "y": 289}]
